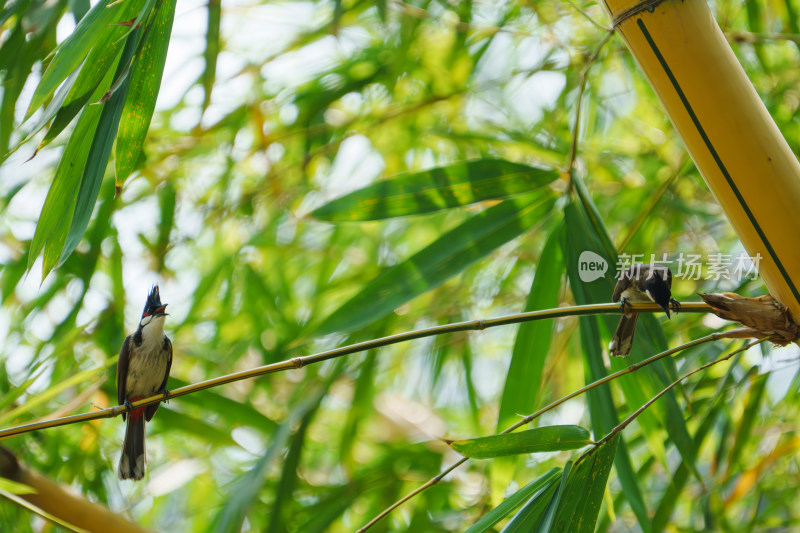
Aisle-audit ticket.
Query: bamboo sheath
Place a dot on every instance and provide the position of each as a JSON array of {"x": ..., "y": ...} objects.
[{"x": 726, "y": 128}]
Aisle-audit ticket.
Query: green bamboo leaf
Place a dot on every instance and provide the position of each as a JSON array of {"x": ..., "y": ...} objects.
[
  {"x": 246, "y": 488},
  {"x": 102, "y": 58},
  {"x": 534, "y": 509},
  {"x": 198, "y": 427},
  {"x": 212, "y": 50},
  {"x": 539, "y": 485},
  {"x": 543, "y": 439},
  {"x": 755, "y": 394},
  {"x": 649, "y": 340},
  {"x": 447, "y": 256},
  {"x": 13, "y": 487},
  {"x": 546, "y": 522},
  {"x": 51, "y": 110},
  {"x": 532, "y": 344},
  {"x": 680, "y": 475},
  {"x": 435, "y": 189},
  {"x": 59, "y": 205},
  {"x": 148, "y": 68},
  {"x": 602, "y": 411},
  {"x": 97, "y": 160},
  {"x": 69, "y": 54},
  {"x": 581, "y": 501},
  {"x": 85, "y": 79}
]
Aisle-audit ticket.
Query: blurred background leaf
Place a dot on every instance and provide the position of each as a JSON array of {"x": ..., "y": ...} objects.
[{"x": 372, "y": 168}]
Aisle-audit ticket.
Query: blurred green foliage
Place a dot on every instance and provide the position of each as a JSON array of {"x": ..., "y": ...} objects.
[{"x": 270, "y": 111}]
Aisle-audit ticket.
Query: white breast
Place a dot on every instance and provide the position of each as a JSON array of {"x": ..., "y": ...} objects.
[{"x": 147, "y": 365}]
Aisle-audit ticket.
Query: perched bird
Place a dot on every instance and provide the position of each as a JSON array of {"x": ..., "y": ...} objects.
[
  {"x": 639, "y": 283},
  {"x": 142, "y": 371}
]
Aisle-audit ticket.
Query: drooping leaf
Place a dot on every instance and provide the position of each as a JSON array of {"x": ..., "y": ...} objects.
[
  {"x": 146, "y": 72},
  {"x": 59, "y": 205},
  {"x": 102, "y": 57},
  {"x": 97, "y": 159},
  {"x": 649, "y": 340},
  {"x": 69, "y": 54}
]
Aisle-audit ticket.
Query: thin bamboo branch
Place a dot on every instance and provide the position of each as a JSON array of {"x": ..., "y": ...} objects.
[
  {"x": 652, "y": 400},
  {"x": 431, "y": 482},
  {"x": 633, "y": 368},
  {"x": 573, "y": 149},
  {"x": 588, "y": 17},
  {"x": 300, "y": 362}
]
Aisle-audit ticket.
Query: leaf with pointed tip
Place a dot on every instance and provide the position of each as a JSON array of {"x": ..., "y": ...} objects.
[
  {"x": 431, "y": 190},
  {"x": 69, "y": 54},
  {"x": 537, "y": 486},
  {"x": 59, "y": 205},
  {"x": 211, "y": 51},
  {"x": 96, "y": 161},
  {"x": 543, "y": 439},
  {"x": 447, "y": 256}
]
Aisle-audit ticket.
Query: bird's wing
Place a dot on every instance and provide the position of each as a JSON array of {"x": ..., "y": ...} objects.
[
  {"x": 122, "y": 368},
  {"x": 168, "y": 344},
  {"x": 623, "y": 283}
]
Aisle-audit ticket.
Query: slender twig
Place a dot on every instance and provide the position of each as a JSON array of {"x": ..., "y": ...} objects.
[
  {"x": 431, "y": 482},
  {"x": 573, "y": 149},
  {"x": 652, "y": 400},
  {"x": 588, "y": 17},
  {"x": 753, "y": 37},
  {"x": 633, "y": 368},
  {"x": 300, "y": 362}
]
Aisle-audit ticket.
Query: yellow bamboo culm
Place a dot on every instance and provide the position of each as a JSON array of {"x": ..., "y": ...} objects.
[{"x": 726, "y": 128}]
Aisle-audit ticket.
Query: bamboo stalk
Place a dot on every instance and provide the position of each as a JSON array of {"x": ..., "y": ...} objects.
[{"x": 728, "y": 131}]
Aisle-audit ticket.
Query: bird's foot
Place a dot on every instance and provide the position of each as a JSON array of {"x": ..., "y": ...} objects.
[
  {"x": 625, "y": 307},
  {"x": 165, "y": 392},
  {"x": 675, "y": 304}
]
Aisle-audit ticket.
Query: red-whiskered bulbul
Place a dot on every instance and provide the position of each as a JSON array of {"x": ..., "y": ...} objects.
[
  {"x": 142, "y": 371},
  {"x": 639, "y": 283}
]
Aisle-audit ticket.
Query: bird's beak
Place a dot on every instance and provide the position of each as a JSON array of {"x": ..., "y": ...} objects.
[{"x": 160, "y": 310}]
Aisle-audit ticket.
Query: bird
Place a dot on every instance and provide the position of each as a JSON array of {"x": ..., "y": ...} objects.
[
  {"x": 639, "y": 283},
  {"x": 144, "y": 363}
]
